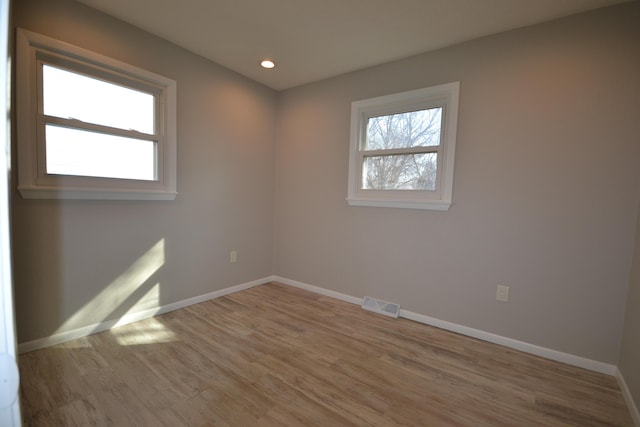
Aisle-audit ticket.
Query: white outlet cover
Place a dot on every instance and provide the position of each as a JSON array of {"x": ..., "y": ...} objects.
[{"x": 502, "y": 293}]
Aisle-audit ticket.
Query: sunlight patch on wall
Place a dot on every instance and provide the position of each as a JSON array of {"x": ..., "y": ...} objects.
[{"x": 129, "y": 293}]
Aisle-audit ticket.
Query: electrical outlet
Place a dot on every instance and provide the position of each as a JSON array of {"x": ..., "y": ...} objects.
[
  {"x": 233, "y": 256},
  {"x": 502, "y": 293}
]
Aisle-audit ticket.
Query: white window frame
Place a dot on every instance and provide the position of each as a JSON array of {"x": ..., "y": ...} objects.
[
  {"x": 445, "y": 96},
  {"x": 34, "y": 50}
]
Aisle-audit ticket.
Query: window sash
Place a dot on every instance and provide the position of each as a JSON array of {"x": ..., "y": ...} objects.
[
  {"x": 363, "y": 153},
  {"x": 83, "y": 153},
  {"x": 43, "y": 120},
  {"x": 97, "y": 107},
  {"x": 431, "y": 113},
  {"x": 402, "y": 176}
]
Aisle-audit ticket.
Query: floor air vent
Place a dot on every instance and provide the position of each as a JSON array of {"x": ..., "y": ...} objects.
[{"x": 378, "y": 306}]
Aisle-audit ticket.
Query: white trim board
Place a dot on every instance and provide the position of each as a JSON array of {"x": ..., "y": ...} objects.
[
  {"x": 134, "y": 317},
  {"x": 558, "y": 356},
  {"x": 318, "y": 290},
  {"x": 626, "y": 393}
]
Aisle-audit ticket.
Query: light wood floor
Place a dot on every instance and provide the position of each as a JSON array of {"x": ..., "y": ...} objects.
[{"x": 279, "y": 356}]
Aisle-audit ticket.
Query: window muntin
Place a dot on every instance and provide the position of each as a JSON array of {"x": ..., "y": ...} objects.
[
  {"x": 90, "y": 127},
  {"x": 402, "y": 148}
]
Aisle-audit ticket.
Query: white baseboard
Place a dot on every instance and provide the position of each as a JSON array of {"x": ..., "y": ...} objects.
[
  {"x": 547, "y": 353},
  {"x": 318, "y": 290},
  {"x": 65, "y": 336},
  {"x": 558, "y": 356},
  {"x": 626, "y": 393}
]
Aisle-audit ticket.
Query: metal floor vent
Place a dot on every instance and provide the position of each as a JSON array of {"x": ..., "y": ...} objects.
[{"x": 383, "y": 307}]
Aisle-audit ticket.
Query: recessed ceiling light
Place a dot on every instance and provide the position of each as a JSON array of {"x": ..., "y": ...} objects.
[{"x": 267, "y": 63}]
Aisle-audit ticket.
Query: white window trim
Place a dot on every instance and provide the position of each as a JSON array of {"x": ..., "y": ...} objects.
[
  {"x": 33, "y": 182},
  {"x": 446, "y": 96}
]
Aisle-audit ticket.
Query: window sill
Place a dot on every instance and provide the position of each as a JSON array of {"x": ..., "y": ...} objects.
[
  {"x": 93, "y": 194},
  {"x": 436, "y": 205}
]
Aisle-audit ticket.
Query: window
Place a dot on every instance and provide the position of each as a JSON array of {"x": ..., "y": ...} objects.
[
  {"x": 402, "y": 149},
  {"x": 90, "y": 127}
]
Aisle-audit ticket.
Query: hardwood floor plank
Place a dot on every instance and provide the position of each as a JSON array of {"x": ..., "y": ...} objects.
[{"x": 274, "y": 355}]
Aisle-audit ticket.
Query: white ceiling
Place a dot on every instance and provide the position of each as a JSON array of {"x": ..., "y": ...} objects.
[{"x": 314, "y": 39}]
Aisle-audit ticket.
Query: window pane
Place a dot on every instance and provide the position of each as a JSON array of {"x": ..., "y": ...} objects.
[
  {"x": 405, "y": 130},
  {"x": 83, "y": 153},
  {"x": 400, "y": 172},
  {"x": 70, "y": 95}
]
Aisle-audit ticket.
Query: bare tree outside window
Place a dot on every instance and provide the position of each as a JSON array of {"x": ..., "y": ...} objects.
[{"x": 397, "y": 154}]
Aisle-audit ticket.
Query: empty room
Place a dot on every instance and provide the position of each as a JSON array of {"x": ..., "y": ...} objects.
[{"x": 418, "y": 213}]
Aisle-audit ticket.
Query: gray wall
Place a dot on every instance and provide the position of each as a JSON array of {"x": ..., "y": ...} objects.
[
  {"x": 629, "y": 364},
  {"x": 82, "y": 262},
  {"x": 545, "y": 191}
]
